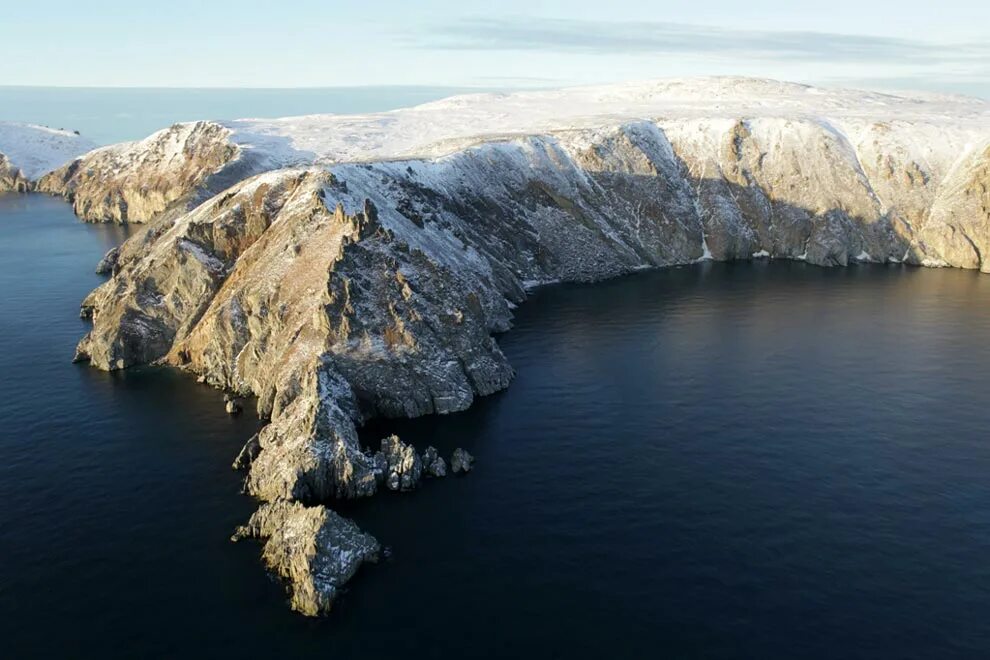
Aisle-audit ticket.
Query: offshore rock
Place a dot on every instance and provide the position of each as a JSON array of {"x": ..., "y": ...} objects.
[
  {"x": 314, "y": 550},
  {"x": 433, "y": 463},
  {"x": 403, "y": 467},
  {"x": 461, "y": 461},
  {"x": 232, "y": 405}
]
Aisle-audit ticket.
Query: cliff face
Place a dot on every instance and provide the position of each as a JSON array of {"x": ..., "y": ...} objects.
[
  {"x": 342, "y": 291},
  {"x": 11, "y": 177},
  {"x": 139, "y": 181}
]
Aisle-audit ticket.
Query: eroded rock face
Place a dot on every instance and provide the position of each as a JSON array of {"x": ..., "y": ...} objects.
[
  {"x": 401, "y": 465},
  {"x": 314, "y": 550},
  {"x": 139, "y": 181},
  {"x": 11, "y": 177}
]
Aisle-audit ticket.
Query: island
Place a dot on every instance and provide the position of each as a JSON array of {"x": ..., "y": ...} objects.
[{"x": 338, "y": 268}]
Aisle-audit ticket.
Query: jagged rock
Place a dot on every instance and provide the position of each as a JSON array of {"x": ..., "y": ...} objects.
[
  {"x": 109, "y": 262},
  {"x": 461, "y": 461},
  {"x": 248, "y": 453},
  {"x": 433, "y": 463},
  {"x": 314, "y": 550},
  {"x": 403, "y": 467},
  {"x": 139, "y": 181},
  {"x": 232, "y": 405}
]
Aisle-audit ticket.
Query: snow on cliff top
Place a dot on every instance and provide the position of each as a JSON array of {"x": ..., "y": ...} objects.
[
  {"x": 37, "y": 150},
  {"x": 440, "y": 127}
]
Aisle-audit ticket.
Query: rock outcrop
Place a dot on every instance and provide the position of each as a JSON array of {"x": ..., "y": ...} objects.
[
  {"x": 461, "y": 461},
  {"x": 314, "y": 550},
  {"x": 139, "y": 181},
  {"x": 401, "y": 465},
  {"x": 12, "y": 179},
  {"x": 343, "y": 291},
  {"x": 433, "y": 463}
]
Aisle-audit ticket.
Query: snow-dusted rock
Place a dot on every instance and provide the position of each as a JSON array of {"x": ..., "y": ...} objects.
[
  {"x": 314, "y": 550},
  {"x": 139, "y": 181},
  {"x": 402, "y": 466},
  {"x": 28, "y": 151},
  {"x": 461, "y": 461},
  {"x": 433, "y": 463}
]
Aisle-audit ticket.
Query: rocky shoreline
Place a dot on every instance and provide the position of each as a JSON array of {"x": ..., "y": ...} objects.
[{"x": 339, "y": 289}]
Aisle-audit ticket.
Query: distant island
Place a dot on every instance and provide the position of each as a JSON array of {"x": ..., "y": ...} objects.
[{"x": 338, "y": 268}]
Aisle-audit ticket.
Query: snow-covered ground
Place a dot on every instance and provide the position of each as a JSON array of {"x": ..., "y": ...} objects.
[
  {"x": 442, "y": 127},
  {"x": 36, "y": 150}
]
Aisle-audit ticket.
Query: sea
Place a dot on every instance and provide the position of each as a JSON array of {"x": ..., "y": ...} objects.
[{"x": 747, "y": 460}]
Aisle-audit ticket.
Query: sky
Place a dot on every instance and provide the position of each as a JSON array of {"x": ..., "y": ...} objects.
[{"x": 941, "y": 45}]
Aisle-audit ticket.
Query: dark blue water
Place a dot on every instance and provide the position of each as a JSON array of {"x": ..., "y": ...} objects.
[
  {"x": 108, "y": 115},
  {"x": 763, "y": 460}
]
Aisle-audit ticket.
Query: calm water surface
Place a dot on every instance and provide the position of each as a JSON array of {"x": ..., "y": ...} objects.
[{"x": 743, "y": 460}]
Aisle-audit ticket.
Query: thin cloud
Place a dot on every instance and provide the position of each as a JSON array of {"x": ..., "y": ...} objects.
[{"x": 637, "y": 38}]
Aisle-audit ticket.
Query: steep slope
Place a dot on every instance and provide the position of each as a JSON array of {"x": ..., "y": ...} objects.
[
  {"x": 139, "y": 181},
  {"x": 28, "y": 151}
]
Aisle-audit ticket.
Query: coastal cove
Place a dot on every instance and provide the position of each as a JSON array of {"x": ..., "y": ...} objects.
[{"x": 718, "y": 459}]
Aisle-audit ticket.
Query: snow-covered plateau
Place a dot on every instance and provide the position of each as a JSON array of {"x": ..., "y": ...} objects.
[
  {"x": 343, "y": 267},
  {"x": 28, "y": 151}
]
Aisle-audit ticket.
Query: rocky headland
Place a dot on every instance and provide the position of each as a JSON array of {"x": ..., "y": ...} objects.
[{"x": 342, "y": 268}]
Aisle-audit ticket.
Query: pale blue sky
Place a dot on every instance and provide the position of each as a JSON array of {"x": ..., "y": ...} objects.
[{"x": 940, "y": 45}]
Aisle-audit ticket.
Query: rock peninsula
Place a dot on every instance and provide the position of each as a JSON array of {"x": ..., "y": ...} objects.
[{"x": 339, "y": 268}]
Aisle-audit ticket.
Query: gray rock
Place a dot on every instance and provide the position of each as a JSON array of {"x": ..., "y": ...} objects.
[
  {"x": 433, "y": 463},
  {"x": 248, "y": 453},
  {"x": 314, "y": 550},
  {"x": 156, "y": 183},
  {"x": 232, "y": 405},
  {"x": 461, "y": 461},
  {"x": 109, "y": 262},
  {"x": 403, "y": 467}
]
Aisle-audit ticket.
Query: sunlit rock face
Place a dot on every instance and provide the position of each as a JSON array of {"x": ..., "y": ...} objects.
[
  {"x": 342, "y": 290},
  {"x": 314, "y": 550},
  {"x": 139, "y": 181}
]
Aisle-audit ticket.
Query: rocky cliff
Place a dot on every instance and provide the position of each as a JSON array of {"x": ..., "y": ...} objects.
[
  {"x": 28, "y": 151},
  {"x": 348, "y": 288}
]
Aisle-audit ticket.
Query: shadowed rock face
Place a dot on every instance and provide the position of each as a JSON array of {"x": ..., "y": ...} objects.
[
  {"x": 11, "y": 177},
  {"x": 356, "y": 290}
]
